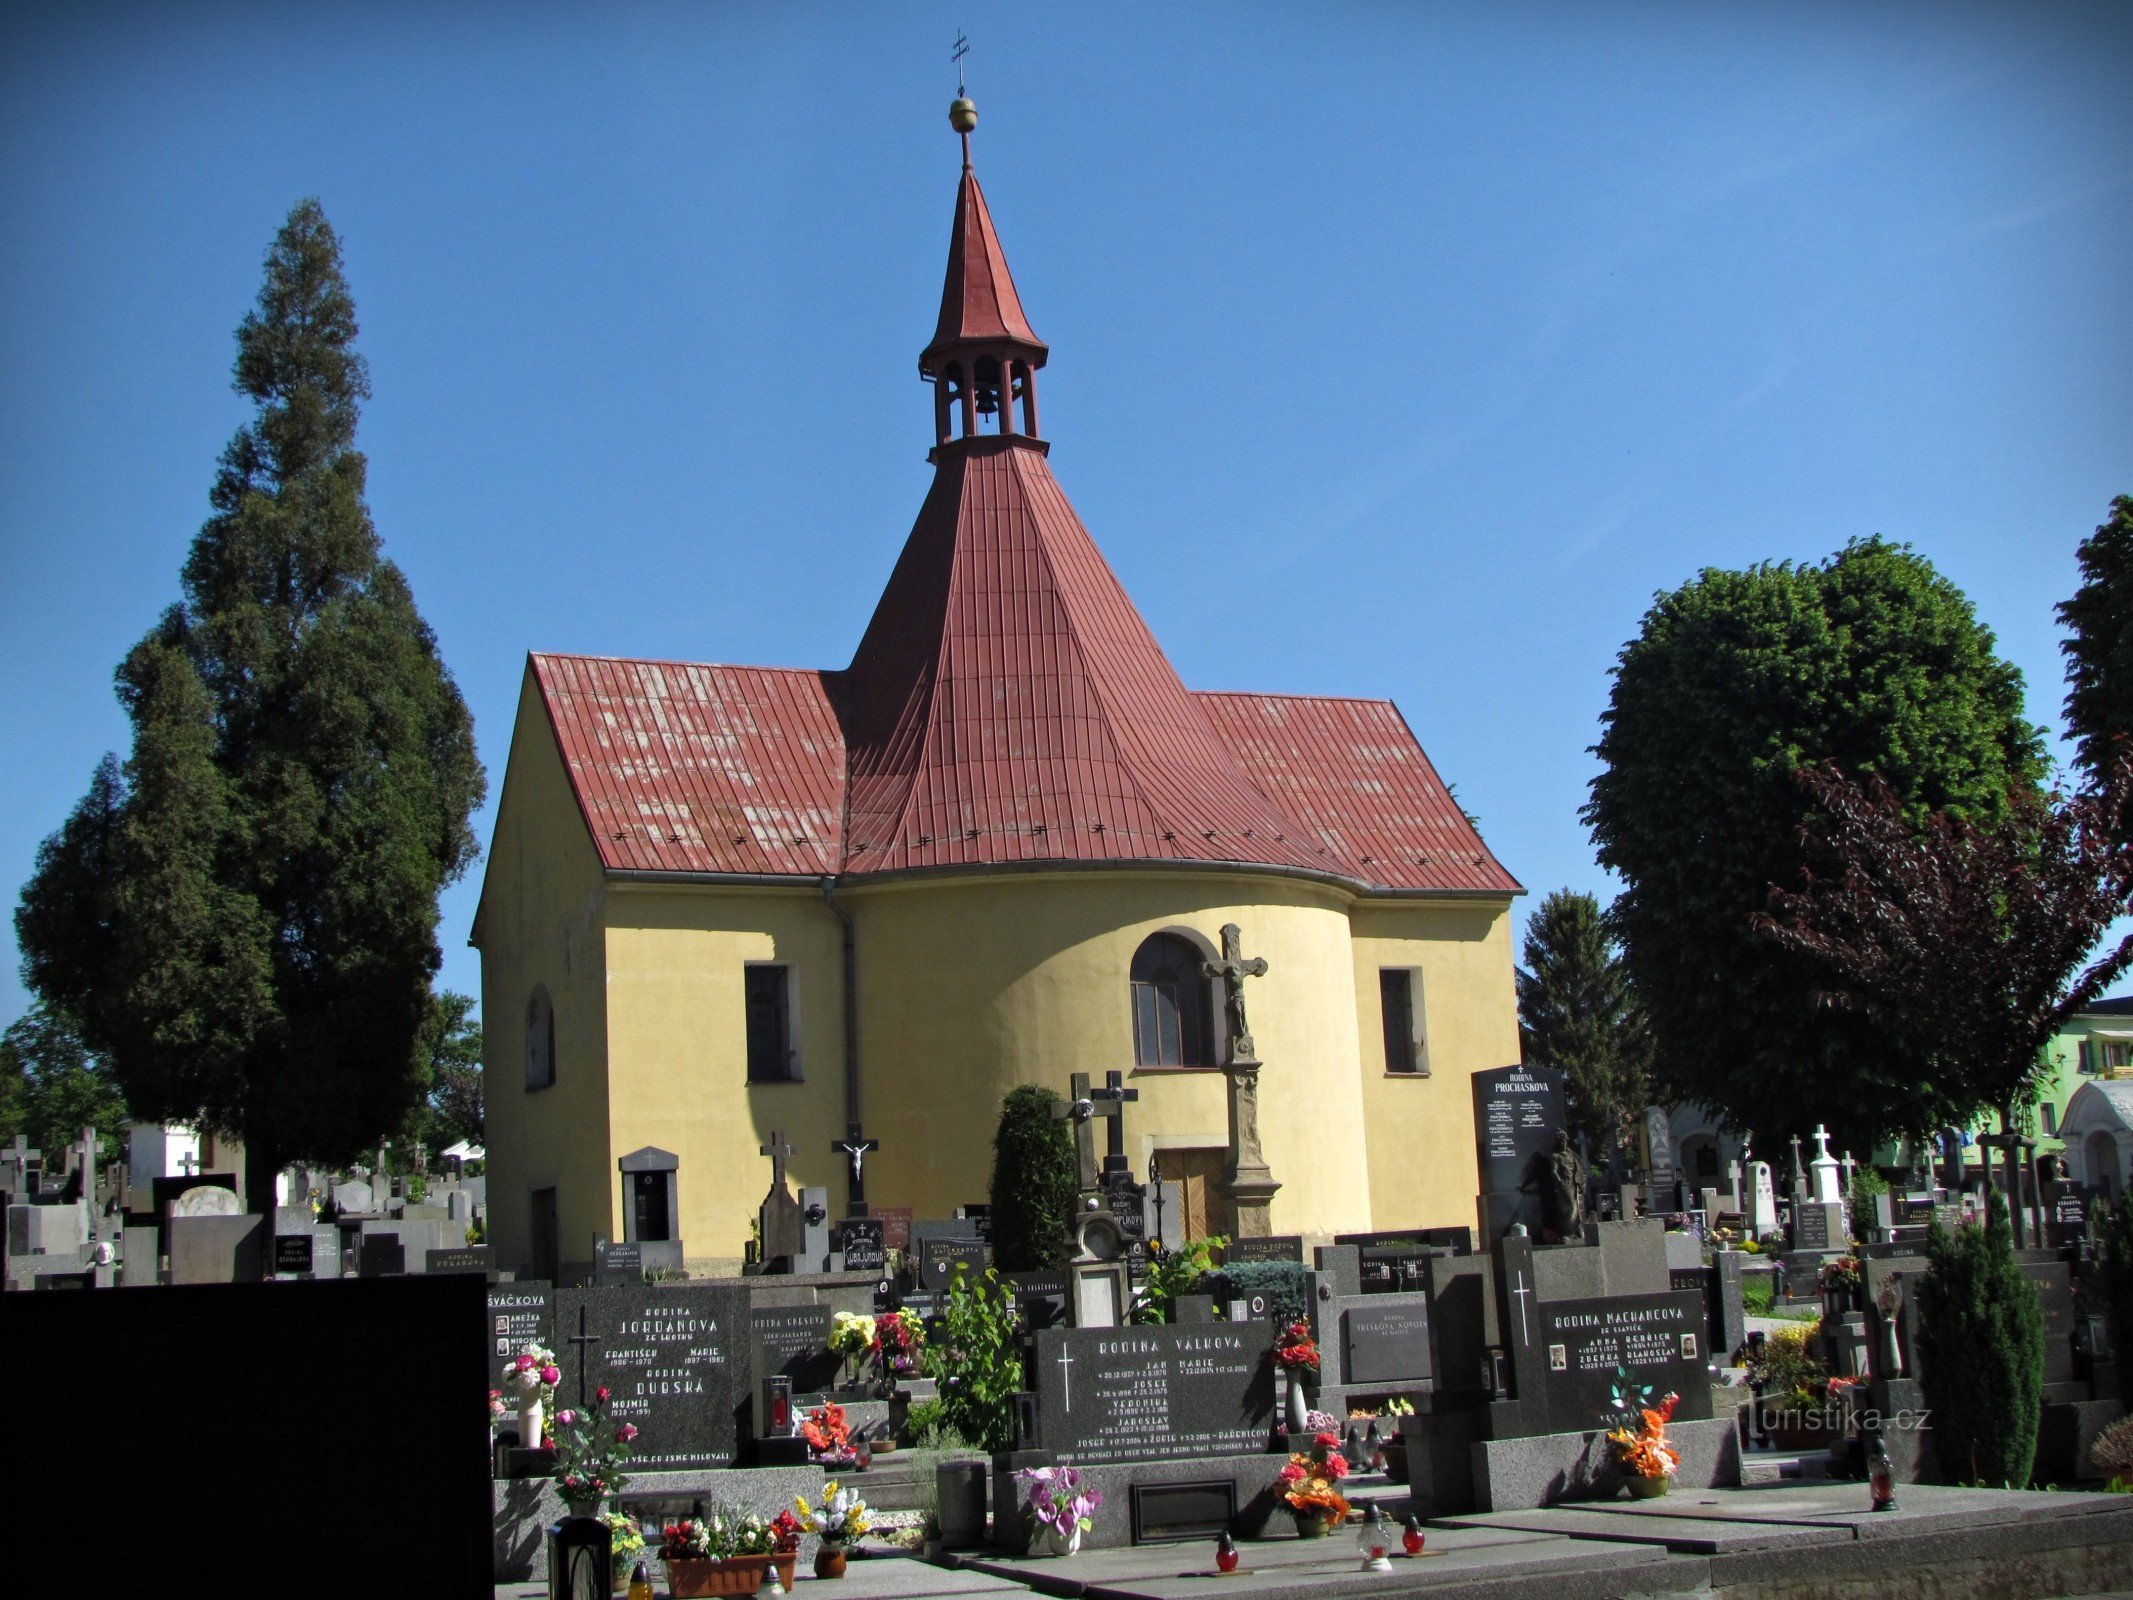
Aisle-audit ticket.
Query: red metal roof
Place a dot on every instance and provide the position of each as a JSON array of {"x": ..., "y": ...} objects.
[
  {"x": 978, "y": 301},
  {"x": 1354, "y": 773},
  {"x": 681, "y": 768}
]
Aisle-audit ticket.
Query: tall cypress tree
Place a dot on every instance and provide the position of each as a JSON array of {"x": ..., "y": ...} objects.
[
  {"x": 1034, "y": 1182},
  {"x": 1578, "y": 1013},
  {"x": 1983, "y": 1344},
  {"x": 243, "y": 915}
]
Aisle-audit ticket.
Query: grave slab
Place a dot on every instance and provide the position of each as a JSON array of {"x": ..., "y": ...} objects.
[{"x": 1544, "y": 1469}]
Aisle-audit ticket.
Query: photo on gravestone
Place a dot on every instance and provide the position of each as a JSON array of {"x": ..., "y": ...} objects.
[
  {"x": 674, "y": 1359},
  {"x": 1385, "y": 1344},
  {"x": 1152, "y": 1393},
  {"x": 1517, "y": 1113},
  {"x": 519, "y": 1315},
  {"x": 1608, "y": 1359},
  {"x": 793, "y": 1341}
]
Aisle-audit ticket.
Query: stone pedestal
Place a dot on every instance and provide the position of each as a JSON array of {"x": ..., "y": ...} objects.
[{"x": 1251, "y": 1182}]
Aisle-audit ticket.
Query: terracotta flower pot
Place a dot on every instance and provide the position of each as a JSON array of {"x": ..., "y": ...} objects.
[
  {"x": 695, "y": 1576},
  {"x": 829, "y": 1561},
  {"x": 1312, "y": 1524}
]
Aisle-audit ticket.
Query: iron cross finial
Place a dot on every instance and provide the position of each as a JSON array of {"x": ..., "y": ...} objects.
[{"x": 962, "y": 49}]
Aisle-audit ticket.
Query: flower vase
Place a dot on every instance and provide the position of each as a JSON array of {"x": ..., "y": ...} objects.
[
  {"x": 1299, "y": 1407},
  {"x": 529, "y": 1421},
  {"x": 1642, "y": 1487},
  {"x": 1066, "y": 1543},
  {"x": 1310, "y": 1524},
  {"x": 829, "y": 1561},
  {"x": 588, "y": 1505}
]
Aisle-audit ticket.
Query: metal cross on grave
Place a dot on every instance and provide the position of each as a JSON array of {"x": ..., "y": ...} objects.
[
  {"x": 584, "y": 1341},
  {"x": 1233, "y": 969},
  {"x": 1110, "y": 1102}
]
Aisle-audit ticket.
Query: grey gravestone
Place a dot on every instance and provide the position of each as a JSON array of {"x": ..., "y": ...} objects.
[
  {"x": 216, "y": 1249},
  {"x": 1810, "y": 1226},
  {"x": 1517, "y": 1113},
  {"x": 938, "y": 1259},
  {"x": 794, "y": 1341},
  {"x": 814, "y": 1230},
  {"x": 461, "y": 1258},
  {"x": 617, "y": 1263},
  {"x": 351, "y": 1199},
  {"x": 1153, "y": 1393},
  {"x": 1386, "y": 1342},
  {"x": 207, "y": 1200},
  {"x": 675, "y": 1359},
  {"x": 860, "y": 1238},
  {"x": 138, "y": 1263},
  {"x": 1604, "y": 1359},
  {"x": 519, "y": 1314}
]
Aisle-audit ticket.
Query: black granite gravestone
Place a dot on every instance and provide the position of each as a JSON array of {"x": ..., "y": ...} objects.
[
  {"x": 938, "y": 1259},
  {"x": 518, "y": 1315},
  {"x": 2069, "y": 1224},
  {"x": 793, "y": 1341},
  {"x": 1041, "y": 1299},
  {"x": 1153, "y": 1393},
  {"x": 675, "y": 1359},
  {"x": 292, "y": 1253},
  {"x": 1606, "y": 1359},
  {"x": 1385, "y": 1344},
  {"x": 861, "y": 1240},
  {"x": 382, "y": 1255},
  {"x": 1517, "y": 1114},
  {"x": 617, "y": 1263},
  {"x": 458, "y": 1258},
  {"x": 1810, "y": 1227}
]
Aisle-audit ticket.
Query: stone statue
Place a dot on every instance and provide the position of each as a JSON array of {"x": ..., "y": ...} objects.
[
  {"x": 1563, "y": 1193},
  {"x": 1233, "y": 969}
]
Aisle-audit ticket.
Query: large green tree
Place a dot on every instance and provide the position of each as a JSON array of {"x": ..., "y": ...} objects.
[
  {"x": 2099, "y": 655},
  {"x": 451, "y": 1109},
  {"x": 1871, "y": 660},
  {"x": 52, "y": 1086},
  {"x": 1578, "y": 1013},
  {"x": 242, "y": 916}
]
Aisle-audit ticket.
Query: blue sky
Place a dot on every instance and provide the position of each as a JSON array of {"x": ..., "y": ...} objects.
[{"x": 1398, "y": 350}]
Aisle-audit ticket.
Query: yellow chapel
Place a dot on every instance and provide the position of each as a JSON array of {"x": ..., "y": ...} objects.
[{"x": 848, "y": 911}]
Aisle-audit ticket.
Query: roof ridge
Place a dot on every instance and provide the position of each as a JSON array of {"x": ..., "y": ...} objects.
[
  {"x": 675, "y": 661},
  {"x": 1287, "y": 694}
]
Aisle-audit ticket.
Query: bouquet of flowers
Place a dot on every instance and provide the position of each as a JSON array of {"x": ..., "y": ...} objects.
[
  {"x": 626, "y": 1541},
  {"x": 718, "y": 1535},
  {"x": 1307, "y": 1482},
  {"x": 1643, "y": 1451},
  {"x": 841, "y": 1518},
  {"x": 899, "y": 1338},
  {"x": 1059, "y": 1501},
  {"x": 1295, "y": 1352},
  {"x": 829, "y": 1436},
  {"x": 851, "y": 1336},
  {"x": 591, "y": 1450},
  {"x": 532, "y": 1374},
  {"x": 1841, "y": 1273},
  {"x": 498, "y": 1411}
]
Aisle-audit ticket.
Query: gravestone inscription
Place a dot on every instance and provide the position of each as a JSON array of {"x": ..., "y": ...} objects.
[
  {"x": 672, "y": 1358},
  {"x": 1810, "y": 1227},
  {"x": 793, "y": 1341},
  {"x": 292, "y": 1253},
  {"x": 617, "y": 1263},
  {"x": 1517, "y": 1113},
  {"x": 1272, "y": 1247},
  {"x": 1606, "y": 1359},
  {"x": 1386, "y": 1344},
  {"x": 1153, "y": 1393},
  {"x": 939, "y": 1258},
  {"x": 864, "y": 1243},
  {"x": 458, "y": 1258}
]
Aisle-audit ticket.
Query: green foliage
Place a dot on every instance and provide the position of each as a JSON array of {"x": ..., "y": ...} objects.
[
  {"x": 451, "y": 1108},
  {"x": 976, "y": 1358},
  {"x": 1284, "y": 1283},
  {"x": 1034, "y": 1182},
  {"x": 52, "y": 1086},
  {"x": 1578, "y": 1013},
  {"x": 1871, "y": 660},
  {"x": 924, "y": 1416},
  {"x": 1983, "y": 1353},
  {"x": 243, "y": 915},
  {"x": 1176, "y": 1273},
  {"x": 1757, "y": 1295},
  {"x": 2114, "y": 1249},
  {"x": 2099, "y": 655},
  {"x": 1866, "y": 1183}
]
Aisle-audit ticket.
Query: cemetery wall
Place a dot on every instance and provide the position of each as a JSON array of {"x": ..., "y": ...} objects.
[
  {"x": 1421, "y": 1145},
  {"x": 974, "y": 985},
  {"x": 677, "y": 1022},
  {"x": 546, "y": 930}
]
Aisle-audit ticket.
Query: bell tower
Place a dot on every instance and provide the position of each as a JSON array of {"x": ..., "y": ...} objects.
[{"x": 984, "y": 356}]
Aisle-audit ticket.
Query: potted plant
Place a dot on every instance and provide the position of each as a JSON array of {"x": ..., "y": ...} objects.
[
  {"x": 591, "y": 1451},
  {"x": 530, "y": 1379},
  {"x": 1841, "y": 1281},
  {"x": 1308, "y": 1486},
  {"x": 1295, "y": 1354},
  {"x": 726, "y": 1552},
  {"x": 839, "y": 1523},
  {"x": 1063, "y": 1505},
  {"x": 1647, "y": 1460},
  {"x": 1798, "y": 1404},
  {"x": 626, "y": 1540},
  {"x": 851, "y": 1336},
  {"x": 829, "y": 1436}
]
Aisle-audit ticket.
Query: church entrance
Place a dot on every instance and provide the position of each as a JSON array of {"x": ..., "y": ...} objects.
[{"x": 1202, "y": 1196}]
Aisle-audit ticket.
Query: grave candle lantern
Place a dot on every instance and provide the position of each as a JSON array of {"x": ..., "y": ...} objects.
[{"x": 1374, "y": 1543}]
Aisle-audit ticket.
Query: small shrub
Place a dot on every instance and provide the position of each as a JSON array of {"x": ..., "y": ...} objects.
[
  {"x": 1983, "y": 1353},
  {"x": 977, "y": 1359},
  {"x": 1284, "y": 1283},
  {"x": 2112, "y": 1453},
  {"x": 1034, "y": 1182},
  {"x": 1177, "y": 1273}
]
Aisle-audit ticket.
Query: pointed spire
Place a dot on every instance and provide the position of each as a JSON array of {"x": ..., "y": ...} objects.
[{"x": 979, "y": 305}]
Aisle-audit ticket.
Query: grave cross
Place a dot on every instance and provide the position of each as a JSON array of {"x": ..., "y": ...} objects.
[
  {"x": 778, "y": 1151},
  {"x": 1233, "y": 969},
  {"x": 1798, "y": 1171},
  {"x": 188, "y": 1164},
  {"x": 855, "y": 1150},
  {"x": 1066, "y": 1378},
  {"x": 1521, "y": 1294},
  {"x": 583, "y": 1341},
  {"x": 1110, "y": 1102},
  {"x": 1080, "y": 1109}
]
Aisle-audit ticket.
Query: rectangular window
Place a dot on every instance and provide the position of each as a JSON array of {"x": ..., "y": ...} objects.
[
  {"x": 1398, "y": 996},
  {"x": 2050, "y": 1115},
  {"x": 771, "y": 1057},
  {"x": 2114, "y": 1058}
]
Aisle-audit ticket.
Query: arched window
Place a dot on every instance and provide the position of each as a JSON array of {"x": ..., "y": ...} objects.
[
  {"x": 540, "y": 1038},
  {"x": 1171, "y": 1027}
]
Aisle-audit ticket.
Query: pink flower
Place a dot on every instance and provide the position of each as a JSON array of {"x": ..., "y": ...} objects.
[
  {"x": 524, "y": 1362},
  {"x": 551, "y": 1376},
  {"x": 625, "y": 1433},
  {"x": 566, "y": 1419},
  {"x": 600, "y": 1394}
]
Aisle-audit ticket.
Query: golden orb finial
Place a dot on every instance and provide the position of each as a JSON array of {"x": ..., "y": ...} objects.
[{"x": 963, "y": 114}]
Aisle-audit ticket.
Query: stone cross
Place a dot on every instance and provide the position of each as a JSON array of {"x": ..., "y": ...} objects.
[
  {"x": 1822, "y": 1144},
  {"x": 1233, "y": 969},
  {"x": 1080, "y": 1110},
  {"x": 1798, "y": 1171},
  {"x": 188, "y": 1163},
  {"x": 1110, "y": 1102},
  {"x": 779, "y": 1152}
]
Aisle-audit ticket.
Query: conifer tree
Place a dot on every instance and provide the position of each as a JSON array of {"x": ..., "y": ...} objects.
[
  {"x": 1578, "y": 1013},
  {"x": 1983, "y": 1349},
  {"x": 1033, "y": 1182},
  {"x": 2099, "y": 655},
  {"x": 242, "y": 916}
]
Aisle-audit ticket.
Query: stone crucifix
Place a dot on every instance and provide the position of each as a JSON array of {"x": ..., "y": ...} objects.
[{"x": 1251, "y": 1183}]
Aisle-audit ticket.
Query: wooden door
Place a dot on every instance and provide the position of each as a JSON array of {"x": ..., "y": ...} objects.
[{"x": 1198, "y": 1175}]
